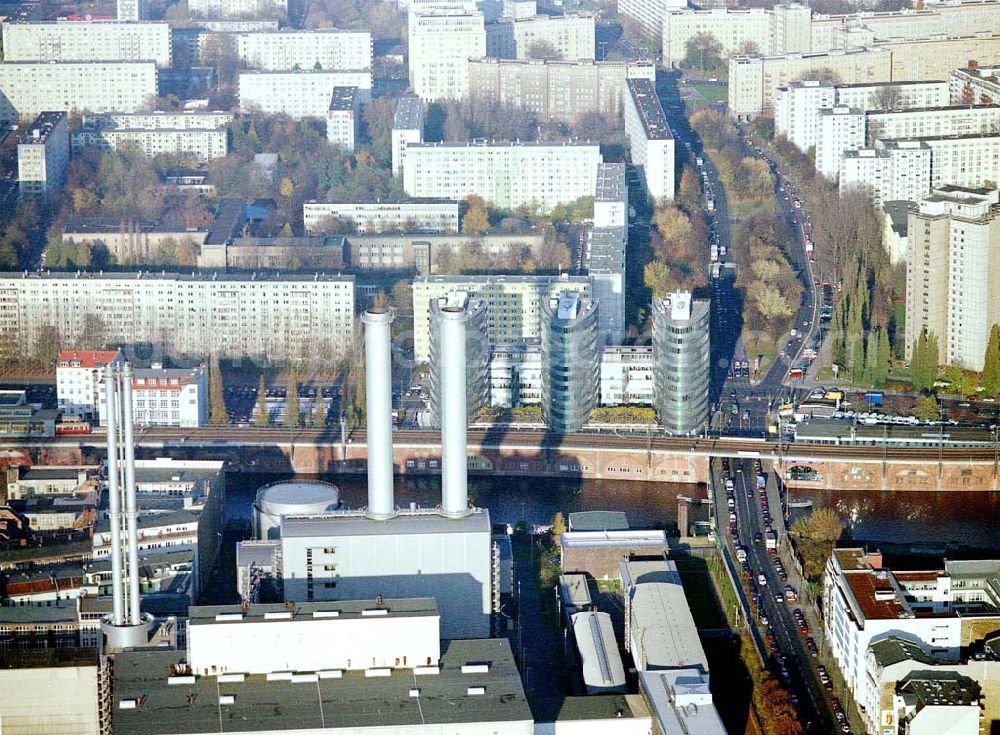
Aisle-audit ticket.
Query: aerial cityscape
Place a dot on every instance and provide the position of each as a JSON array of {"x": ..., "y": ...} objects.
[{"x": 500, "y": 367}]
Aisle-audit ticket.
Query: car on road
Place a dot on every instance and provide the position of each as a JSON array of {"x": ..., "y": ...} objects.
[{"x": 762, "y": 580}]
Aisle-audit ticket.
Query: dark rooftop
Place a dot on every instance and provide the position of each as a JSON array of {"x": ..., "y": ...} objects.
[
  {"x": 42, "y": 127},
  {"x": 650, "y": 110}
]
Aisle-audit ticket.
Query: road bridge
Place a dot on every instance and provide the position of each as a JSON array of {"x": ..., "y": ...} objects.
[{"x": 531, "y": 453}]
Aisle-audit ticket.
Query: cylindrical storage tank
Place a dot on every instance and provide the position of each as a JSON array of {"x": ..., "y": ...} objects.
[
  {"x": 454, "y": 420},
  {"x": 378, "y": 395},
  {"x": 289, "y": 498}
]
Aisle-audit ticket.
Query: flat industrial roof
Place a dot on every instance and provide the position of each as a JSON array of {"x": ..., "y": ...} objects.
[
  {"x": 353, "y": 523},
  {"x": 599, "y": 656},
  {"x": 574, "y": 590},
  {"x": 276, "y": 612},
  {"x": 398, "y": 700},
  {"x": 663, "y": 623}
]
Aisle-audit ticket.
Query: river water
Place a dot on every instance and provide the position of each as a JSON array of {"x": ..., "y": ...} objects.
[{"x": 927, "y": 521}]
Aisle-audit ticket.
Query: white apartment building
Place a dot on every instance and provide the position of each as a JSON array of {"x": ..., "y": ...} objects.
[
  {"x": 160, "y": 120},
  {"x": 78, "y": 378},
  {"x": 513, "y": 304},
  {"x": 572, "y": 37},
  {"x": 649, "y": 14},
  {"x": 232, "y": 315},
  {"x": 202, "y": 144},
  {"x": 904, "y": 94},
  {"x": 781, "y": 30},
  {"x": 331, "y": 49},
  {"x": 953, "y": 273},
  {"x": 611, "y": 196},
  {"x": 43, "y": 155},
  {"x": 131, "y": 10},
  {"x": 30, "y": 88},
  {"x": 437, "y": 216},
  {"x": 932, "y": 121},
  {"x": 519, "y": 9},
  {"x": 841, "y": 129},
  {"x": 604, "y": 260},
  {"x": 164, "y": 397},
  {"x": 248, "y": 9},
  {"x": 627, "y": 376},
  {"x": 87, "y": 41},
  {"x": 298, "y": 94},
  {"x": 895, "y": 170},
  {"x": 651, "y": 143},
  {"x": 796, "y": 111},
  {"x": 555, "y": 90},
  {"x": 975, "y": 86},
  {"x": 441, "y": 42},
  {"x": 507, "y": 175},
  {"x": 965, "y": 160},
  {"x": 407, "y": 127},
  {"x": 864, "y": 603},
  {"x": 343, "y": 119}
]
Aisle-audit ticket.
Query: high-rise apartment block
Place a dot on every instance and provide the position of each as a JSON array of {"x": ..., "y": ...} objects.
[
  {"x": 681, "y": 362},
  {"x": 651, "y": 143},
  {"x": 922, "y": 122},
  {"x": 331, "y": 49},
  {"x": 243, "y": 9},
  {"x": 604, "y": 257},
  {"x": 407, "y": 127},
  {"x": 30, "y": 87},
  {"x": 87, "y": 41},
  {"x": 507, "y": 175},
  {"x": 649, "y": 14},
  {"x": 280, "y": 317},
  {"x": 513, "y": 304},
  {"x": 567, "y": 37},
  {"x": 841, "y": 129},
  {"x": 343, "y": 119},
  {"x": 975, "y": 86},
  {"x": 571, "y": 360},
  {"x": 43, "y": 155},
  {"x": 895, "y": 170},
  {"x": 556, "y": 90},
  {"x": 132, "y": 10},
  {"x": 441, "y": 42},
  {"x": 796, "y": 111},
  {"x": 298, "y": 94},
  {"x": 203, "y": 144},
  {"x": 438, "y": 216},
  {"x": 953, "y": 273},
  {"x": 459, "y": 305}
]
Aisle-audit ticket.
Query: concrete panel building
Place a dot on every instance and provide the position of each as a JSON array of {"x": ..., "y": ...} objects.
[
  {"x": 234, "y": 315},
  {"x": 165, "y": 397},
  {"x": 298, "y": 94},
  {"x": 605, "y": 263},
  {"x": 203, "y": 144},
  {"x": 570, "y": 37},
  {"x": 754, "y": 81},
  {"x": 902, "y": 94},
  {"x": 423, "y": 252},
  {"x": 30, "y": 87},
  {"x": 507, "y": 175},
  {"x": 932, "y": 121},
  {"x": 965, "y": 160},
  {"x": 841, "y": 129},
  {"x": 238, "y": 9},
  {"x": 331, "y": 49},
  {"x": 407, "y": 127},
  {"x": 158, "y": 120},
  {"x": 343, "y": 119},
  {"x": 571, "y": 361},
  {"x": 513, "y": 304},
  {"x": 975, "y": 86},
  {"x": 953, "y": 273},
  {"x": 682, "y": 362},
  {"x": 651, "y": 144},
  {"x": 441, "y": 42},
  {"x": 649, "y": 14},
  {"x": 556, "y": 90},
  {"x": 895, "y": 170},
  {"x": 936, "y": 57},
  {"x": 43, "y": 155},
  {"x": 796, "y": 111},
  {"x": 415, "y": 215},
  {"x": 87, "y": 41}
]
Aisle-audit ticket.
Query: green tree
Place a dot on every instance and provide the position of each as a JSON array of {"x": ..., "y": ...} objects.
[
  {"x": 542, "y": 49},
  {"x": 883, "y": 357},
  {"x": 926, "y": 408},
  {"x": 558, "y": 524},
  {"x": 292, "y": 402},
  {"x": 924, "y": 363},
  {"x": 216, "y": 394},
  {"x": 263, "y": 418},
  {"x": 703, "y": 52},
  {"x": 991, "y": 363},
  {"x": 476, "y": 219}
]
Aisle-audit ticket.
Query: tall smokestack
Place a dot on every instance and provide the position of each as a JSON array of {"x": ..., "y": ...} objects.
[
  {"x": 131, "y": 511},
  {"x": 378, "y": 395},
  {"x": 454, "y": 412},
  {"x": 114, "y": 498}
]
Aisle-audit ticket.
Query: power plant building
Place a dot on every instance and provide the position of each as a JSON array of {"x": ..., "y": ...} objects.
[
  {"x": 571, "y": 361},
  {"x": 682, "y": 362}
]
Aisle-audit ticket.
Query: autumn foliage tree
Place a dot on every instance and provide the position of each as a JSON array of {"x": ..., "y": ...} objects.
[{"x": 815, "y": 536}]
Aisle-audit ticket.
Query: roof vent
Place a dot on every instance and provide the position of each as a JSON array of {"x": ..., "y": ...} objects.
[
  {"x": 427, "y": 671},
  {"x": 228, "y": 617},
  {"x": 283, "y": 615},
  {"x": 279, "y": 676},
  {"x": 475, "y": 691},
  {"x": 476, "y": 668},
  {"x": 414, "y": 692},
  {"x": 128, "y": 704},
  {"x": 381, "y": 611},
  {"x": 227, "y": 699},
  {"x": 174, "y": 680},
  {"x": 369, "y": 673},
  {"x": 231, "y": 678},
  {"x": 305, "y": 678},
  {"x": 331, "y": 674},
  {"x": 326, "y": 613}
]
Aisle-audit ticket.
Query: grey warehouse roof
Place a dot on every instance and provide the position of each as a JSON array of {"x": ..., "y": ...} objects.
[
  {"x": 353, "y": 701},
  {"x": 352, "y": 523}
]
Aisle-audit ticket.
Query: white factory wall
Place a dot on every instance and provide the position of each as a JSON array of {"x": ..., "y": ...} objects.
[
  {"x": 45, "y": 701},
  {"x": 308, "y": 644}
]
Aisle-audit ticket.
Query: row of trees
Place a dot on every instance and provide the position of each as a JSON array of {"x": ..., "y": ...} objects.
[{"x": 679, "y": 245}]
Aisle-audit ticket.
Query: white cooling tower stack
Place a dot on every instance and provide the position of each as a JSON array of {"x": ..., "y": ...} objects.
[
  {"x": 454, "y": 416},
  {"x": 378, "y": 395},
  {"x": 126, "y": 627}
]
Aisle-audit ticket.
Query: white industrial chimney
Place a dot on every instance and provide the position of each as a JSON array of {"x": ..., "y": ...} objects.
[
  {"x": 126, "y": 627},
  {"x": 378, "y": 396},
  {"x": 454, "y": 412}
]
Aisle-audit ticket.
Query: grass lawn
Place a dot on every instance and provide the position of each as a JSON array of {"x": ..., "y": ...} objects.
[{"x": 708, "y": 93}]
